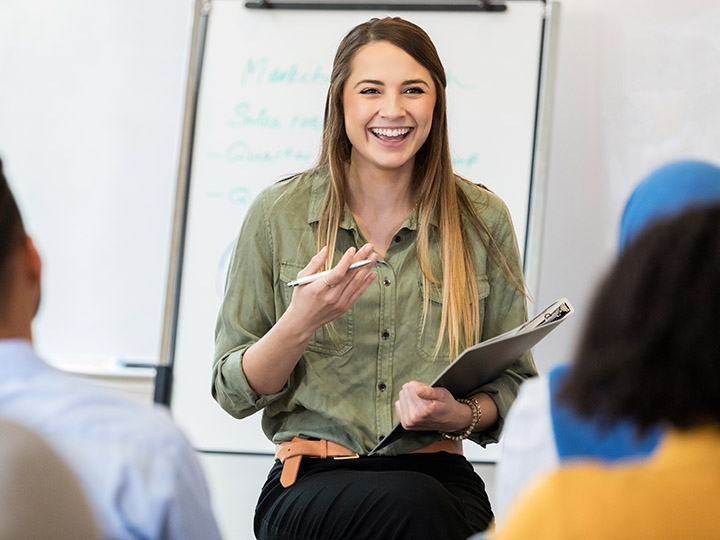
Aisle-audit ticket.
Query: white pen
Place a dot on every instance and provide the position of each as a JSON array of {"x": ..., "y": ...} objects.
[{"x": 320, "y": 275}]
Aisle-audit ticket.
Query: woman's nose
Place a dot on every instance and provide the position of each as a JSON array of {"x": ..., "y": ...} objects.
[{"x": 391, "y": 106}]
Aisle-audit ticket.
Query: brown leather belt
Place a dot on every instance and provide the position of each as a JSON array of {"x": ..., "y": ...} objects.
[{"x": 291, "y": 453}]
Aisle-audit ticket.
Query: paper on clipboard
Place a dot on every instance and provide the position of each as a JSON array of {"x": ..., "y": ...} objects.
[{"x": 484, "y": 362}]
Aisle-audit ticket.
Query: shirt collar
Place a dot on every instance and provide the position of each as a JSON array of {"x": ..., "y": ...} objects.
[
  {"x": 17, "y": 358},
  {"x": 320, "y": 185}
]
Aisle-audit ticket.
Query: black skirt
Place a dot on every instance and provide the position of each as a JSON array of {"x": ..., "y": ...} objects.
[{"x": 437, "y": 496}]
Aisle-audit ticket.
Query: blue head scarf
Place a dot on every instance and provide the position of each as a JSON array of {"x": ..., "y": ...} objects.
[{"x": 667, "y": 191}]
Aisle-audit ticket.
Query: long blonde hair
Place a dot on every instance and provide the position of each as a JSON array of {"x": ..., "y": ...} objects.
[{"x": 439, "y": 197}]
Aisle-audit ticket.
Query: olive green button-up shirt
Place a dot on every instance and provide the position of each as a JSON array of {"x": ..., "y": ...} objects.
[{"x": 346, "y": 383}]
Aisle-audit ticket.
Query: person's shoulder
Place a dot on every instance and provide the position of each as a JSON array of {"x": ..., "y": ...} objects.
[
  {"x": 537, "y": 513},
  {"x": 576, "y": 489},
  {"x": 563, "y": 487},
  {"x": 147, "y": 421},
  {"x": 291, "y": 193},
  {"x": 587, "y": 481},
  {"x": 480, "y": 195},
  {"x": 301, "y": 183},
  {"x": 474, "y": 189},
  {"x": 105, "y": 412}
]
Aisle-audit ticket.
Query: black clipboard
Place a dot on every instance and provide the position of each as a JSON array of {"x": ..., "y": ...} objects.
[{"x": 484, "y": 362}]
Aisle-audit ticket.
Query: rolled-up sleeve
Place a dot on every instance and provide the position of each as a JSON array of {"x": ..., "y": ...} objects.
[{"x": 247, "y": 312}]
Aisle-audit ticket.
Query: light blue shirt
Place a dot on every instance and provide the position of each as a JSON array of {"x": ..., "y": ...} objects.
[{"x": 141, "y": 474}]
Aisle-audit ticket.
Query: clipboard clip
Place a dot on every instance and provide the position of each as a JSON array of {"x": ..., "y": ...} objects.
[{"x": 557, "y": 314}]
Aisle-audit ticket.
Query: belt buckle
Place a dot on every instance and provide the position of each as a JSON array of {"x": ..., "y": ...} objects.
[{"x": 354, "y": 456}]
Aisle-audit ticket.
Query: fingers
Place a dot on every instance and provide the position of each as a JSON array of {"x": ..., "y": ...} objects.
[
  {"x": 425, "y": 391},
  {"x": 341, "y": 270},
  {"x": 342, "y": 276},
  {"x": 418, "y": 392},
  {"x": 324, "y": 299},
  {"x": 315, "y": 264},
  {"x": 412, "y": 409},
  {"x": 366, "y": 252},
  {"x": 421, "y": 406}
]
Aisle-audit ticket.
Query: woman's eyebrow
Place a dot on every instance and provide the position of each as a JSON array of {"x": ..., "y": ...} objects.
[
  {"x": 369, "y": 81},
  {"x": 380, "y": 83},
  {"x": 416, "y": 81}
]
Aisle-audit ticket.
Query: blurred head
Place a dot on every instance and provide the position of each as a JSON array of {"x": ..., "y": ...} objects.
[
  {"x": 416, "y": 43},
  {"x": 12, "y": 231},
  {"x": 667, "y": 191},
  {"x": 650, "y": 348},
  {"x": 20, "y": 269}
]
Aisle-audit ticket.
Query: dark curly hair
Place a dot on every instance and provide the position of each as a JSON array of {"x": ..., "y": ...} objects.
[{"x": 650, "y": 347}]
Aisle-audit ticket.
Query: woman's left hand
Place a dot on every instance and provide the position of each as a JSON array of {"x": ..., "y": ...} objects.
[{"x": 423, "y": 407}]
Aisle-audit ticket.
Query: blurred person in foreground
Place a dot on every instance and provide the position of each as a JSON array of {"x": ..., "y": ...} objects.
[
  {"x": 40, "y": 497},
  {"x": 540, "y": 432},
  {"x": 650, "y": 353},
  {"x": 141, "y": 475}
]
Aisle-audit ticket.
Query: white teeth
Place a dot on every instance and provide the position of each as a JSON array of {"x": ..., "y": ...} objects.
[{"x": 391, "y": 132}]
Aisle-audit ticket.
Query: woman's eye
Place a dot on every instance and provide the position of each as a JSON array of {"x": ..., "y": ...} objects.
[
  {"x": 369, "y": 91},
  {"x": 414, "y": 90}
]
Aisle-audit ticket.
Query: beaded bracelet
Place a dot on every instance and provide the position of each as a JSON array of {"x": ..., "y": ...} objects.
[{"x": 476, "y": 416}]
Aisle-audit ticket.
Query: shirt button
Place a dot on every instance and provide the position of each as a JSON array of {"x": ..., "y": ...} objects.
[
  {"x": 382, "y": 387},
  {"x": 385, "y": 335},
  {"x": 398, "y": 239},
  {"x": 386, "y": 282}
]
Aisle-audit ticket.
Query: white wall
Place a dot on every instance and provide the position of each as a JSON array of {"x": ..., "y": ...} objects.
[
  {"x": 91, "y": 103},
  {"x": 637, "y": 84}
]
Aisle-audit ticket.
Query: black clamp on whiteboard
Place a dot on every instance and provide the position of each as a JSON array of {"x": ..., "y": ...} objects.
[{"x": 479, "y": 5}]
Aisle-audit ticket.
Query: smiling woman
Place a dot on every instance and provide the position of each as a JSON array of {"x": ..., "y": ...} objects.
[{"x": 334, "y": 363}]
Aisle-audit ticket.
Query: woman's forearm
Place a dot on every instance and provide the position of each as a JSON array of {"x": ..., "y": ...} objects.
[{"x": 268, "y": 363}]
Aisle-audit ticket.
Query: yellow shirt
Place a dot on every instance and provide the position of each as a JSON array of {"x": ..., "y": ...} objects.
[{"x": 675, "y": 495}]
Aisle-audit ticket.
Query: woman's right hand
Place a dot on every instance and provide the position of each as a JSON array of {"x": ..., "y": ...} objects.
[
  {"x": 324, "y": 300},
  {"x": 267, "y": 364}
]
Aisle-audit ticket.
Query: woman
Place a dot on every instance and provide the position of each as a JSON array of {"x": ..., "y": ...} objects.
[
  {"x": 335, "y": 363},
  {"x": 650, "y": 353}
]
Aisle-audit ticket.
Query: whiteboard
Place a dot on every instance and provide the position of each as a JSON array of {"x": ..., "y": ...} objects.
[
  {"x": 91, "y": 112},
  {"x": 259, "y": 114}
]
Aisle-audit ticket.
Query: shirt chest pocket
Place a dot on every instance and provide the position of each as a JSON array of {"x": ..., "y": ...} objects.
[
  {"x": 429, "y": 331},
  {"x": 334, "y": 338}
]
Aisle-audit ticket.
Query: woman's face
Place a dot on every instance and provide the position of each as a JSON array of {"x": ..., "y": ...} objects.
[{"x": 388, "y": 100}]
